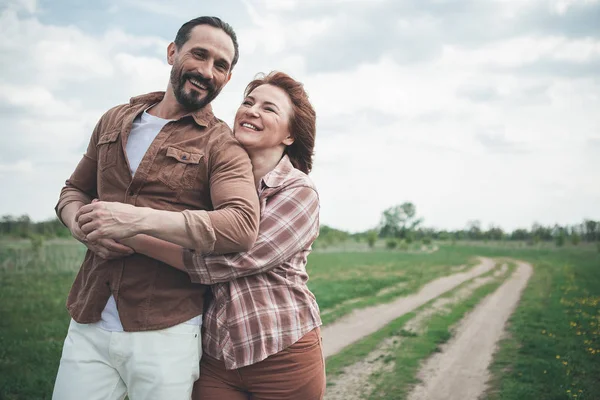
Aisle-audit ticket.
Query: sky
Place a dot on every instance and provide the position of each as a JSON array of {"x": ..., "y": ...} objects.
[{"x": 470, "y": 109}]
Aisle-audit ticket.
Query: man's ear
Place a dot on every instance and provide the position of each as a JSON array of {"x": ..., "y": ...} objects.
[
  {"x": 171, "y": 51},
  {"x": 228, "y": 77},
  {"x": 288, "y": 141}
]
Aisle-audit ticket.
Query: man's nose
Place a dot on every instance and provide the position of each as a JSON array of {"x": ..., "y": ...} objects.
[{"x": 205, "y": 69}]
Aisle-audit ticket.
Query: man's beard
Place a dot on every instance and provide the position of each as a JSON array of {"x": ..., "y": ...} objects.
[{"x": 191, "y": 101}]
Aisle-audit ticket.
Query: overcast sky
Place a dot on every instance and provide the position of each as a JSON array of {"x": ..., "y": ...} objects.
[{"x": 470, "y": 109}]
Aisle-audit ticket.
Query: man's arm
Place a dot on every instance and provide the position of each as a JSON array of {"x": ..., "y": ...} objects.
[
  {"x": 288, "y": 225},
  {"x": 79, "y": 190},
  {"x": 231, "y": 227}
]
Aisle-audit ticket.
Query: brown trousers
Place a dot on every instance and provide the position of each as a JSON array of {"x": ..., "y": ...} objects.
[{"x": 297, "y": 372}]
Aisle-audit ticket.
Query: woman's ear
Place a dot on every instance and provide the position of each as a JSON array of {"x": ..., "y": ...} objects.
[{"x": 288, "y": 140}]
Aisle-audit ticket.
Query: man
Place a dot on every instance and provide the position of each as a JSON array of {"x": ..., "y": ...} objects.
[{"x": 161, "y": 165}]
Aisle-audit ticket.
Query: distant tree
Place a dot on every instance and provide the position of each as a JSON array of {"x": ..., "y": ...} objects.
[
  {"x": 397, "y": 221},
  {"x": 561, "y": 236},
  {"x": 391, "y": 243},
  {"x": 591, "y": 230},
  {"x": 444, "y": 235},
  {"x": 494, "y": 233},
  {"x": 519, "y": 234},
  {"x": 329, "y": 236},
  {"x": 542, "y": 232},
  {"x": 371, "y": 238},
  {"x": 575, "y": 238},
  {"x": 474, "y": 230}
]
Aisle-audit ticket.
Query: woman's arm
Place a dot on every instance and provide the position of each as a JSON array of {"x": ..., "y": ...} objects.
[
  {"x": 289, "y": 223},
  {"x": 161, "y": 250}
]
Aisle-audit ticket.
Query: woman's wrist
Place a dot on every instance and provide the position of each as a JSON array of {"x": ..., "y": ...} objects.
[{"x": 135, "y": 242}]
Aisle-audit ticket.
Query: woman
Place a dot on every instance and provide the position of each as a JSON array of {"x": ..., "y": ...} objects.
[{"x": 261, "y": 330}]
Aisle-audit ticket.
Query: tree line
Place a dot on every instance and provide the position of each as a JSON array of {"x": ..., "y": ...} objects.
[
  {"x": 401, "y": 224},
  {"x": 23, "y": 227}
]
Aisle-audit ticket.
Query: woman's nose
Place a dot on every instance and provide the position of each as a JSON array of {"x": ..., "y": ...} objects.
[{"x": 252, "y": 111}]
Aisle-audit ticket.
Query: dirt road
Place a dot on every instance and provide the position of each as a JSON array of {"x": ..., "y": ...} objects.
[
  {"x": 369, "y": 320},
  {"x": 460, "y": 370}
]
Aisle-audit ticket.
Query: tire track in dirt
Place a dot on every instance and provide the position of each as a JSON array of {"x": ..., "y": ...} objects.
[
  {"x": 354, "y": 383},
  {"x": 365, "y": 321},
  {"x": 460, "y": 370}
]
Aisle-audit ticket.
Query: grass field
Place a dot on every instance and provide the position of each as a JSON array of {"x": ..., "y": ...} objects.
[
  {"x": 553, "y": 351},
  {"x": 557, "y": 322}
]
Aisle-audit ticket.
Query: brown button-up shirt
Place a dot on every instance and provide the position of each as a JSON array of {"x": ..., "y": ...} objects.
[{"x": 194, "y": 166}]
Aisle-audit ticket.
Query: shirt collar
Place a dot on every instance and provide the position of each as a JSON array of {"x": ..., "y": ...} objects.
[
  {"x": 202, "y": 116},
  {"x": 277, "y": 175}
]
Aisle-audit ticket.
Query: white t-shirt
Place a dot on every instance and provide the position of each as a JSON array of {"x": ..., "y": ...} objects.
[{"x": 144, "y": 130}]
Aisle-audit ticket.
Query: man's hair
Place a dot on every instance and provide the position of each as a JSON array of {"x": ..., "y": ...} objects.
[
  {"x": 183, "y": 34},
  {"x": 302, "y": 121}
]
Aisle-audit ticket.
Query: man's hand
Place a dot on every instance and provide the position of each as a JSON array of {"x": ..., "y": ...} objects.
[
  {"x": 104, "y": 248},
  {"x": 109, "y": 220}
]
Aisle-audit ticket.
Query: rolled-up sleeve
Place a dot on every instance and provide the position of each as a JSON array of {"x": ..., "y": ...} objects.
[
  {"x": 81, "y": 186},
  {"x": 232, "y": 225},
  {"x": 289, "y": 223}
]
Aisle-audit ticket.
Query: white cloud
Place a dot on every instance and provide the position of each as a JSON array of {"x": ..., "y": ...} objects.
[
  {"x": 18, "y": 168},
  {"x": 562, "y": 6},
  {"x": 469, "y": 133}
]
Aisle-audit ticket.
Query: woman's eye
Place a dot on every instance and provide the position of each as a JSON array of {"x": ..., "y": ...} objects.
[
  {"x": 269, "y": 109},
  {"x": 247, "y": 103}
]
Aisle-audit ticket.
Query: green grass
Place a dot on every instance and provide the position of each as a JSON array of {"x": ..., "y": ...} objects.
[
  {"x": 337, "y": 278},
  {"x": 33, "y": 325},
  {"x": 553, "y": 351},
  {"x": 33, "y": 319}
]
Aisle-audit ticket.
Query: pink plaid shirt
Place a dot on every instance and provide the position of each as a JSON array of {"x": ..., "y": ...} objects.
[{"x": 261, "y": 303}]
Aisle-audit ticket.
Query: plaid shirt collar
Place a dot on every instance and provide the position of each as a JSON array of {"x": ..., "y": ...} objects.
[{"x": 277, "y": 175}]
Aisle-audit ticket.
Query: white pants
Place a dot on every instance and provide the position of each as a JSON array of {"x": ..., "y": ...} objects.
[{"x": 100, "y": 365}]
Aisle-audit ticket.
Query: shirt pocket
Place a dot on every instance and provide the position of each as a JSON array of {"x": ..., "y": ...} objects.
[
  {"x": 108, "y": 147},
  {"x": 181, "y": 168}
]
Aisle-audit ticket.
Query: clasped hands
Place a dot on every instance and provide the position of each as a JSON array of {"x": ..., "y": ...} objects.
[{"x": 106, "y": 228}]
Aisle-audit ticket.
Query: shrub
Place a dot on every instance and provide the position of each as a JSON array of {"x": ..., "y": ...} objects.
[
  {"x": 575, "y": 239},
  {"x": 391, "y": 243},
  {"x": 37, "y": 242},
  {"x": 371, "y": 239}
]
